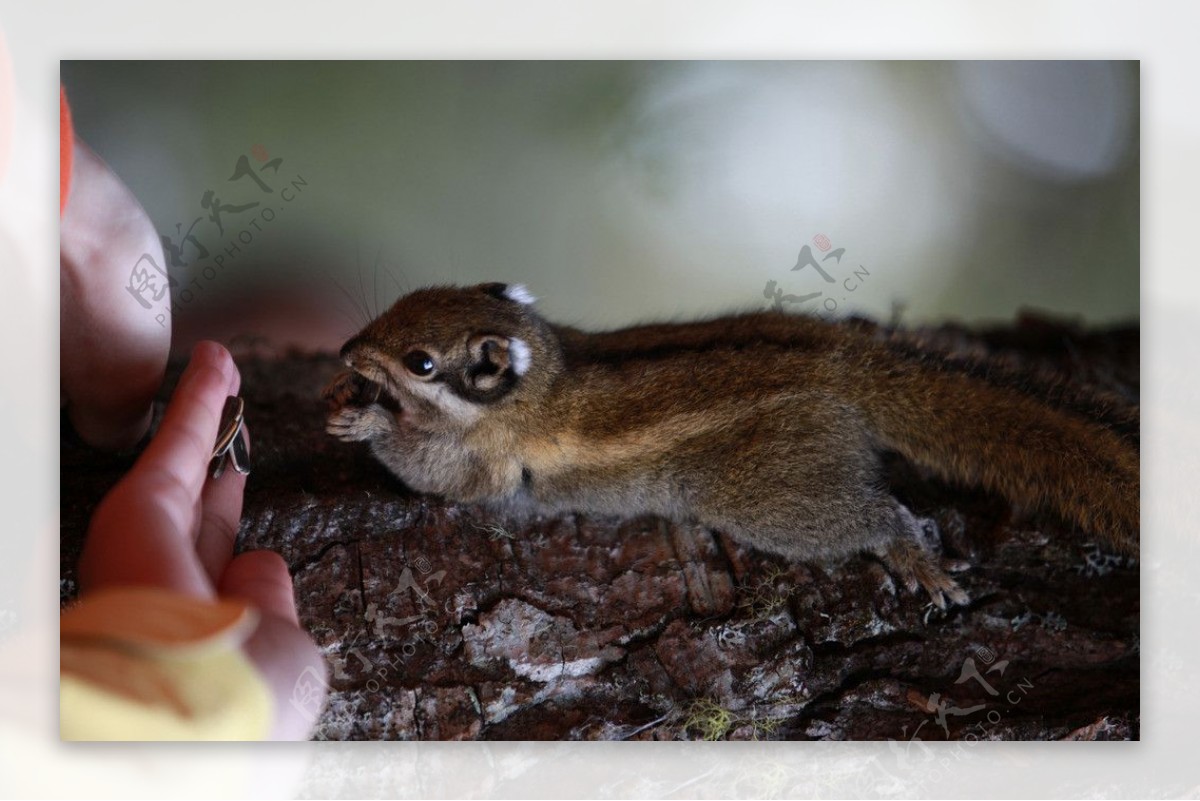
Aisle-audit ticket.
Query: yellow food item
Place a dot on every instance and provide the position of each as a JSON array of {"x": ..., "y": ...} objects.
[{"x": 141, "y": 663}]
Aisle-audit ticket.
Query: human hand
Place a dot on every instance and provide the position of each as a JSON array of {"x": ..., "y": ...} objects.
[
  {"x": 168, "y": 524},
  {"x": 113, "y": 351}
]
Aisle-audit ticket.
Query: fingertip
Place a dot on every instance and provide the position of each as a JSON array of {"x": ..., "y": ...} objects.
[
  {"x": 208, "y": 352},
  {"x": 269, "y": 562},
  {"x": 262, "y": 577}
]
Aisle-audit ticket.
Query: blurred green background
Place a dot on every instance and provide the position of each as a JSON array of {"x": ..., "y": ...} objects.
[{"x": 623, "y": 191}]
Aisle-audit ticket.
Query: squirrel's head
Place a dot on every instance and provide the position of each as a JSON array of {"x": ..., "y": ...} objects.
[{"x": 448, "y": 354}]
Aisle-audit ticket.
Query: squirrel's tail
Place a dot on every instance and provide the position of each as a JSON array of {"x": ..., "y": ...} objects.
[{"x": 1034, "y": 454}]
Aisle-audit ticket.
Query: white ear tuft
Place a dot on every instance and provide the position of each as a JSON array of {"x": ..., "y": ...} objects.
[
  {"x": 519, "y": 294},
  {"x": 518, "y": 350}
]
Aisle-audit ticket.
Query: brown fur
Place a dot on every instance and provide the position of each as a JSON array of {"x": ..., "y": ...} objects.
[{"x": 766, "y": 426}]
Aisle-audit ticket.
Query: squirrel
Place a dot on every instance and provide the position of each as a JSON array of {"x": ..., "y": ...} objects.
[{"x": 767, "y": 426}]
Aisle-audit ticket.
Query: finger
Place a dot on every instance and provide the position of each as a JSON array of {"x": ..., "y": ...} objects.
[
  {"x": 140, "y": 535},
  {"x": 183, "y": 445},
  {"x": 221, "y": 517},
  {"x": 262, "y": 578},
  {"x": 289, "y": 663},
  {"x": 142, "y": 531},
  {"x": 284, "y": 655}
]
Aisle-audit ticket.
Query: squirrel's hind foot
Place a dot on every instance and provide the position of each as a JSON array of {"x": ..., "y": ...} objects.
[{"x": 916, "y": 561}]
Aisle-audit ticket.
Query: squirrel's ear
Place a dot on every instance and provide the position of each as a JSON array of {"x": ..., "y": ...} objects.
[
  {"x": 496, "y": 363},
  {"x": 517, "y": 293}
]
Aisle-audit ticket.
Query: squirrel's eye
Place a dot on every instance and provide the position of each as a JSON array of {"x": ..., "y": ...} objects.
[{"x": 418, "y": 362}]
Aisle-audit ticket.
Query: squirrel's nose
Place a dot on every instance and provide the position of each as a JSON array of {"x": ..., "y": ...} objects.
[{"x": 349, "y": 348}]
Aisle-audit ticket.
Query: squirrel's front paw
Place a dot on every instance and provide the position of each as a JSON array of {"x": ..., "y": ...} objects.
[
  {"x": 358, "y": 423},
  {"x": 349, "y": 388}
]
